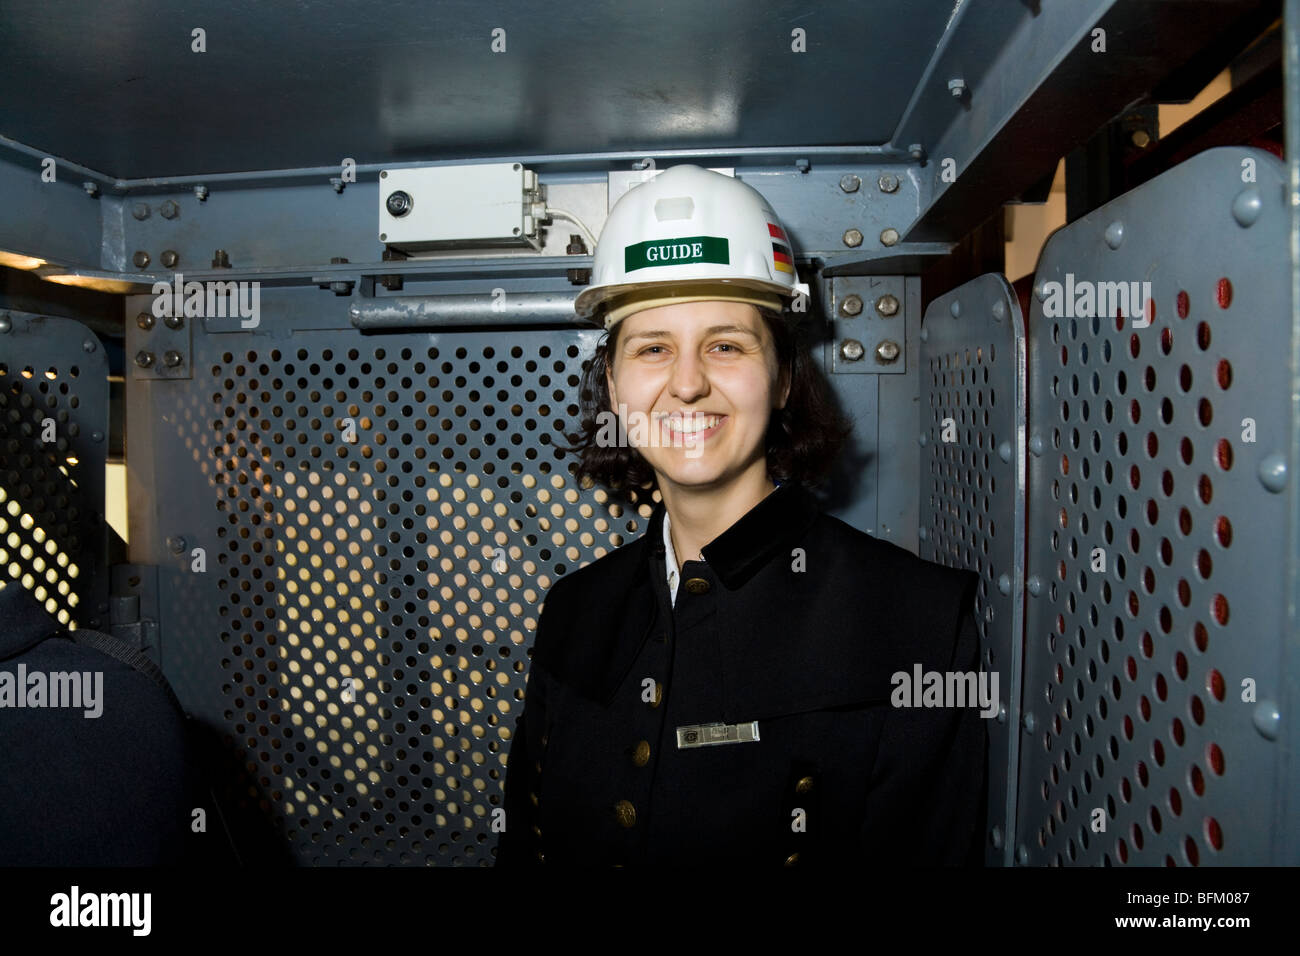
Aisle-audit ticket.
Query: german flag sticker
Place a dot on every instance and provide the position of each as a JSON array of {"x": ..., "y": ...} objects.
[{"x": 781, "y": 258}]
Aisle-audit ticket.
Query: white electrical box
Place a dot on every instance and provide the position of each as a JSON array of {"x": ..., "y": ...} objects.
[{"x": 489, "y": 205}]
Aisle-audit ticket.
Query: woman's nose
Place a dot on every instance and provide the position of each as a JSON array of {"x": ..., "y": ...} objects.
[{"x": 687, "y": 380}]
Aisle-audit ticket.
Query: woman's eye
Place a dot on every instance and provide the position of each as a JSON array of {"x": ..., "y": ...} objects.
[{"x": 647, "y": 349}]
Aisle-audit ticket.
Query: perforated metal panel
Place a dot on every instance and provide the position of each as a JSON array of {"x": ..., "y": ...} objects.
[
  {"x": 412, "y": 561},
  {"x": 1156, "y": 557},
  {"x": 972, "y": 496},
  {"x": 53, "y": 428}
]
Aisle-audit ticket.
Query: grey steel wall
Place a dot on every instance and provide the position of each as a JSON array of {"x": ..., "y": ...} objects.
[
  {"x": 972, "y": 496},
  {"x": 1156, "y": 626}
]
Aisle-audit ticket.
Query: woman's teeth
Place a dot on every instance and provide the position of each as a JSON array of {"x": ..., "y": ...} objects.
[{"x": 696, "y": 423}]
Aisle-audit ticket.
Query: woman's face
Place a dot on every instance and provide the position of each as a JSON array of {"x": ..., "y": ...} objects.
[{"x": 703, "y": 377}]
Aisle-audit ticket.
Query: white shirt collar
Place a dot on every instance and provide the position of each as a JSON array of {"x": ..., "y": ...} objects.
[{"x": 670, "y": 561}]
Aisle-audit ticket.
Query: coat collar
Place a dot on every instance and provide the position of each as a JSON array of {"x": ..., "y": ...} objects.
[
  {"x": 746, "y": 546},
  {"x": 630, "y": 581}
]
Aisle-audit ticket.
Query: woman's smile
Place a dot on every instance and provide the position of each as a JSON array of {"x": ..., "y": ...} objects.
[{"x": 691, "y": 427}]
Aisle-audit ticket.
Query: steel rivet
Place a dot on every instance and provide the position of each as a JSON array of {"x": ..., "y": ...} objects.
[{"x": 1272, "y": 473}]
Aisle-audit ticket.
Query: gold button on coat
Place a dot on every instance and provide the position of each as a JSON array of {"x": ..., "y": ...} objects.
[
  {"x": 792, "y": 859},
  {"x": 659, "y": 695},
  {"x": 804, "y": 785},
  {"x": 533, "y": 797},
  {"x": 641, "y": 755},
  {"x": 697, "y": 585},
  {"x": 626, "y": 813}
]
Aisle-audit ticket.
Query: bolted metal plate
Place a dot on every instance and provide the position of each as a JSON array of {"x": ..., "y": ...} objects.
[
  {"x": 1156, "y": 608},
  {"x": 868, "y": 322},
  {"x": 53, "y": 444},
  {"x": 972, "y": 495}
]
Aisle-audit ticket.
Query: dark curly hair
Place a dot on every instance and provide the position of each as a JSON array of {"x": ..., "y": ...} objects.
[{"x": 803, "y": 438}]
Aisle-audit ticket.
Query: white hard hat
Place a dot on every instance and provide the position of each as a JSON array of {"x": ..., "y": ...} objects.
[{"x": 689, "y": 234}]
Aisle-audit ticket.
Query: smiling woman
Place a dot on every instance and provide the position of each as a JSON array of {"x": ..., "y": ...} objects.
[
  {"x": 746, "y": 719},
  {"x": 803, "y": 434}
]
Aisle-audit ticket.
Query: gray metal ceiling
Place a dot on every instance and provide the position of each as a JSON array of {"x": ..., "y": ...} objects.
[{"x": 115, "y": 86}]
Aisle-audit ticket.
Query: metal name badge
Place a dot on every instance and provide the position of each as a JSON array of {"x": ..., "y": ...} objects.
[{"x": 706, "y": 735}]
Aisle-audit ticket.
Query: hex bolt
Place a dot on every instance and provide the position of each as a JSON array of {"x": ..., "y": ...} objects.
[
  {"x": 337, "y": 183},
  {"x": 889, "y": 237},
  {"x": 97, "y": 436},
  {"x": 141, "y": 258},
  {"x": 888, "y": 183},
  {"x": 220, "y": 260},
  {"x": 341, "y": 287},
  {"x": 887, "y": 351},
  {"x": 850, "y": 183},
  {"x": 957, "y": 87},
  {"x": 144, "y": 321},
  {"x": 176, "y": 544},
  {"x": 92, "y": 189},
  {"x": 173, "y": 321},
  {"x": 172, "y": 358},
  {"x": 852, "y": 305},
  {"x": 851, "y": 350},
  {"x": 144, "y": 359},
  {"x": 852, "y": 237},
  {"x": 201, "y": 192},
  {"x": 169, "y": 258},
  {"x": 6, "y": 323},
  {"x": 169, "y": 209},
  {"x": 917, "y": 151},
  {"x": 140, "y": 210},
  {"x": 88, "y": 345},
  {"x": 887, "y": 305}
]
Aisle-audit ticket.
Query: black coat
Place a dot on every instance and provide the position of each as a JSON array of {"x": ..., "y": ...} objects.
[{"x": 595, "y": 774}]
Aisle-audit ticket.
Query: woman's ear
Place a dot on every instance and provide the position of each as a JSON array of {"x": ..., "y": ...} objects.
[{"x": 609, "y": 385}]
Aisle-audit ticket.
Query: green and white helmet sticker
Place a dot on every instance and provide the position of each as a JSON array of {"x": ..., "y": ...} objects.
[{"x": 676, "y": 252}]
